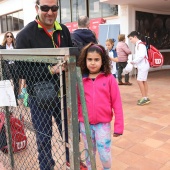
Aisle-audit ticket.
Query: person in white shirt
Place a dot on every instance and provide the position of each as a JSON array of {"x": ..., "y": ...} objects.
[
  {"x": 142, "y": 65},
  {"x": 112, "y": 54}
]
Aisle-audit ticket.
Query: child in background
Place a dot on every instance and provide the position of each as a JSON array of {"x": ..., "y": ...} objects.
[
  {"x": 113, "y": 55},
  {"x": 142, "y": 64},
  {"x": 103, "y": 101}
]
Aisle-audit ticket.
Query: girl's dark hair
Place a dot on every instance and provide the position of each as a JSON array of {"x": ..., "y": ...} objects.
[
  {"x": 90, "y": 48},
  {"x": 135, "y": 33}
]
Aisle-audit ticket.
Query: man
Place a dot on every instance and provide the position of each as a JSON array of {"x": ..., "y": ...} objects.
[
  {"x": 83, "y": 34},
  {"x": 44, "y": 32},
  {"x": 142, "y": 65}
]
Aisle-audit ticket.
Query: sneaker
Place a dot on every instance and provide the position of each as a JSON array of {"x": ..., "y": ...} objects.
[
  {"x": 148, "y": 100},
  {"x": 83, "y": 166},
  {"x": 67, "y": 165},
  {"x": 143, "y": 101}
]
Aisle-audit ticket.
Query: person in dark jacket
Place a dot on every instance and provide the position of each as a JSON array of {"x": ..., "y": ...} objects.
[
  {"x": 34, "y": 35},
  {"x": 9, "y": 67},
  {"x": 83, "y": 34},
  {"x": 8, "y": 41}
]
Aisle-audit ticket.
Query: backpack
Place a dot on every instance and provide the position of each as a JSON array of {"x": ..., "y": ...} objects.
[
  {"x": 155, "y": 58},
  {"x": 19, "y": 139}
]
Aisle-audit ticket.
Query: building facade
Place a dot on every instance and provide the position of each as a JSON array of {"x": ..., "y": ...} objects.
[{"x": 108, "y": 18}]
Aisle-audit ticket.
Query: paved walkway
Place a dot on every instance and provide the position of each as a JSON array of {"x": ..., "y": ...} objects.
[{"x": 145, "y": 144}]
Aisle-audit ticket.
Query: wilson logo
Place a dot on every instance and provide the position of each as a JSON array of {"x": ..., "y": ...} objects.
[
  {"x": 158, "y": 61},
  {"x": 21, "y": 145}
]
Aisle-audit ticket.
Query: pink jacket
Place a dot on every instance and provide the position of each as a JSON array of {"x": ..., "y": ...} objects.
[
  {"x": 102, "y": 96},
  {"x": 123, "y": 51}
]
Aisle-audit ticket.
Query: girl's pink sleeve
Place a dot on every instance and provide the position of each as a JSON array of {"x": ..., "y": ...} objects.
[{"x": 117, "y": 107}]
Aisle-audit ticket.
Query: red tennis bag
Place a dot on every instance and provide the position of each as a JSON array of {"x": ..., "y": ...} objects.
[
  {"x": 19, "y": 139},
  {"x": 155, "y": 58}
]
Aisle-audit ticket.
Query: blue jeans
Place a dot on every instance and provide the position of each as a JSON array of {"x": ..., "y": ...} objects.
[{"x": 42, "y": 122}]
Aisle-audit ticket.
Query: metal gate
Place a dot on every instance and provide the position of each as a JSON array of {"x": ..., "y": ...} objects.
[{"x": 26, "y": 67}]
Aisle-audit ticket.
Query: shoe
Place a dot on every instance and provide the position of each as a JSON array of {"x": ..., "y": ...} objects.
[
  {"x": 121, "y": 83},
  {"x": 143, "y": 101},
  {"x": 148, "y": 100},
  {"x": 83, "y": 166},
  {"x": 67, "y": 165},
  {"x": 127, "y": 83}
]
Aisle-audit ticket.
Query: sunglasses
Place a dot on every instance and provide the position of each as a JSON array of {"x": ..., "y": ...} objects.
[
  {"x": 9, "y": 36},
  {"x": 46, "y": 8}
]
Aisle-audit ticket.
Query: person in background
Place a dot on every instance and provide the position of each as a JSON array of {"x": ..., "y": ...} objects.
[
  {"x": 123, "y": 51},
  {"x": 83, "y": 34},
  {"x": 9, "y": 66},
  {"x": 8, "y": 41},
  {"x": 44, "y": 32},
  {"x": 142, "y": 65},
  {"x": 113, "y": 55},
  {"x": 97, "y": 79}
]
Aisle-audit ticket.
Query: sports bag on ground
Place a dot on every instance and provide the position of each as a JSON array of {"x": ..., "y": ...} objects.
[
  {"x": 155, "y": 58},
  {"x": 19, "y": 139}
]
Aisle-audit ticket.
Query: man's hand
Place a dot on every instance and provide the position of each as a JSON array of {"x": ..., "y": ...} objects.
[{"x": 56, "y": 68}]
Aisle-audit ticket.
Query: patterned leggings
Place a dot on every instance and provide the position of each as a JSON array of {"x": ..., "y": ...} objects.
[{"x": 101, "y": 139}]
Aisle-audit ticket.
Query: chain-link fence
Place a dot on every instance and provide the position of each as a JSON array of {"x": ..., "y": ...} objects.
[{"x": 45, "y": 133}]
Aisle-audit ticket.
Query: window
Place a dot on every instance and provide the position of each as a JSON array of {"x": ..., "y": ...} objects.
[
  {"x": 97, "y": 9},
  {"x": 65, "y": 11},
  {"x": 79, "y": 8},
  {"x": 12, "y": 22}
]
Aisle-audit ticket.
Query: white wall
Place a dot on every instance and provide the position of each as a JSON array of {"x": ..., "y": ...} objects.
[
  {"x": 10, "y": 6},
  {"x": 29, "y": 11}
]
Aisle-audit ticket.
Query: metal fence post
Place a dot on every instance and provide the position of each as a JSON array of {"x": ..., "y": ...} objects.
[
  {"x": 86, "y": 122},
  {"x": 9, "y": 136},
  {"x": 72, "y": 114}
]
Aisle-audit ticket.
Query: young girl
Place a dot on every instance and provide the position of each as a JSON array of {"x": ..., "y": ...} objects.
[
  {"x": 112, "y": 55},
  {"x": 102, "y": 100}
]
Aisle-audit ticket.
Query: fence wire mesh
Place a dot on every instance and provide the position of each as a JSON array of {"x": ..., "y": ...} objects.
[{"x": 38, "y": 132}]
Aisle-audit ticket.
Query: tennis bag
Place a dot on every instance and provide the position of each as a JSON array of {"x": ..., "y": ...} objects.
[
  {"x": 155, "y": 58},
  {"x": 19, "y": 139}
]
